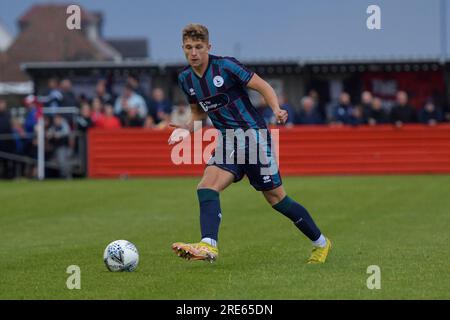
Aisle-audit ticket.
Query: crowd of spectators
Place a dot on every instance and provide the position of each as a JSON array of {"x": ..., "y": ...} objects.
[
  {"x": 368, "y": 110},
  {"x": 132, "y": 107}
]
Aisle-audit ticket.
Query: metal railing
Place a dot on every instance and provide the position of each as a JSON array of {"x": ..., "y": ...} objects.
[{"x": 77, "y": 161}]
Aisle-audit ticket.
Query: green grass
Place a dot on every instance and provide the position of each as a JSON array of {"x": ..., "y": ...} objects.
[{"x": 400, "y": 223}]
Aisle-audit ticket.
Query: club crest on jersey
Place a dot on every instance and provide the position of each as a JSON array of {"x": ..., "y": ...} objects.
[
  {"x": 191, "y": 92},
  {"x": 218, "y": 81}
]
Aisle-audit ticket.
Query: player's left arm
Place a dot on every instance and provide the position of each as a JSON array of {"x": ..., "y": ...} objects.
[{"x": 266, "y": 90}]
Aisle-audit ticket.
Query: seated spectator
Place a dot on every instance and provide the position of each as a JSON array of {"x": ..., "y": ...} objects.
[
  {"x": 181, "y": 114},
  {"x": 108, "y": 120},
  {"x": 159, "y": 107},
  {"x": 430, "y": 114},
  {"x": 402, "y": 112},
  {"x": 342, "y": 112},
  {"x": 376, "y": 114},
  {"x": 59, "y": 135},
  {"x": 308, "y": 115},
  {"x": 130, "y": 100}
]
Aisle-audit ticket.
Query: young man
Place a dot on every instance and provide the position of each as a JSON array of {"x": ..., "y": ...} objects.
[{"x": 216, "y": 87}]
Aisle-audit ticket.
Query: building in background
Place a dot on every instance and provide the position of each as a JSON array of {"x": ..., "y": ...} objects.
[{"x": 44, "y": 37}]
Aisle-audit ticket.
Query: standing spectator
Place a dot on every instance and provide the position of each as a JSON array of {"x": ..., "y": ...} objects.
[
  {"x": 318, "y": 106},
  {"x": 376, "y": 114},
  {"x": 130, "y": 100},
  {"x": 402, "y": 112},
  {"x": 430, "y": 114},
  {"x": 68, "y": 97},
  {"x": 83, "y": 124},
  {"x": 132, "y": 118},
  {"x": 20, "y": 139},
  {"x": 342, "y": 112},
  {"x": 31, "y": 118},
  {"x": 97, "y": 110},
  {"x": 133, "y": 81},
  {"x": 102, "y": 93},
  {"x": 160, "y": 106},
  {"x": 84, "y": 119},
  {"x": 366, "y": 103},
  {"x": 58, "y": 135},
  {"x": 31, "y": 114},
  {"x": 309, "y": 115},
  {"x": 6, "y": 144},
  {"x": 53, "y": 96}
]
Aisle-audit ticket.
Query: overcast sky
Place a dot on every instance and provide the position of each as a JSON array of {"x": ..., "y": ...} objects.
[{"x": 267, "y": 29}]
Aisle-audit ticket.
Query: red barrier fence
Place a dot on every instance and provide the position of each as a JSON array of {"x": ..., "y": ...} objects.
[{"x": 318, "y": 150}]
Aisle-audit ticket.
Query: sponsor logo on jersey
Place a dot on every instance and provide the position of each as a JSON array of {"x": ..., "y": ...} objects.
[{"x": 212, "y": 103}]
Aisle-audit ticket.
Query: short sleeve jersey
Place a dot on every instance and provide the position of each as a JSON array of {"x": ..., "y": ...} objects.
[{"x": 221, "y": 93}]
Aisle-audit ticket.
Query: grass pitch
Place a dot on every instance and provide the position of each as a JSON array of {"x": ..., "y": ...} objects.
[{"x": 400, "y": 223}]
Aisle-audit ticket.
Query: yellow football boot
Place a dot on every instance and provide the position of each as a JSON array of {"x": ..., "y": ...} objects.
[
  {"x": 196, "y": 251},
  {"x": 319, "y": 254}
]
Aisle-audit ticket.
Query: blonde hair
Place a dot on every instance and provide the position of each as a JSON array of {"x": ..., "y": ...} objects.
[{"x": 196, "y": 32}]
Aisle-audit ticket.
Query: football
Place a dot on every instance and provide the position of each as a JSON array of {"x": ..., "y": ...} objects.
[{"x": 121, "y": 255}]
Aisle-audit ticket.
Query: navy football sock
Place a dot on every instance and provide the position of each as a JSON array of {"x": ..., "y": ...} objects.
[
  {"x": 210, "y": 213},
  {"x": 300, "y": 216}
]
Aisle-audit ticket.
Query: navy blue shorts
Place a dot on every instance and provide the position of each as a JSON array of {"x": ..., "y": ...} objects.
[{"x": 263, "y": 174}]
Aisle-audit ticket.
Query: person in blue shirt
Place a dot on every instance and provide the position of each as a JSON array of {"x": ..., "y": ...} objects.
[
  {"x": 215, "y": 87},
  {"x": 342, "y": 112},
  {"x": 308, "y": 114}
]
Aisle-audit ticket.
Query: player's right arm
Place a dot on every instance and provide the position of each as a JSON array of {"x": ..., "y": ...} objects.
[{"x": 182, "y": 131}]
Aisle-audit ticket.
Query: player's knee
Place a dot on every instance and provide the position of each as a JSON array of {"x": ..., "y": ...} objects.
[
  {"x": 206, "y": 185},
  {"x": 274, "y": 199},
  {"x": 274, "y": 196}
]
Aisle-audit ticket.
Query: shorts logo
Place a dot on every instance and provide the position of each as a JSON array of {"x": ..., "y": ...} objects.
[
  {"x": 218, "y": 81},
  {"x": 266, "y": 179}
]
